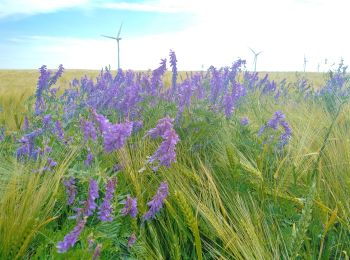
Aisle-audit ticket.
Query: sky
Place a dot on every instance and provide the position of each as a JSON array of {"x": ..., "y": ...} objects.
[{"x": 201, "y": 32}]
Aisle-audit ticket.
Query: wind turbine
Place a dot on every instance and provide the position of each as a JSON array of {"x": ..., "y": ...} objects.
[
  {"x": 305, "y": 61},
  {"x": 118, "y": 38},
  {"x": 256, "y": 54}
]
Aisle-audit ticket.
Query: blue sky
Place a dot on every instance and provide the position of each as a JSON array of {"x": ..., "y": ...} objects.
[{"x": 202, "y": 33}]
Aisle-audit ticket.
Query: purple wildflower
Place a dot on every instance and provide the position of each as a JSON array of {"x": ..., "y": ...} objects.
[
  {"x": 156, "y": 82},
  {"x": 215, "y": 85},
  {"x": 230, "y": 99},
  {"x": 287, "y": 133},
  {"x": 136, "y": 126},
  {"x": 228, "y": 105},
  {"x": 90, "y": 204},
  {"x": 130, "y": 207},
  {"x": 166, "y": 154},
  {"x": 46, "y": 121},
  {"x": 244, "y": 121},
  {"x": 43, "y": 84},
  {"x": 105, "y": 210},
  {"x": 261, "y": 131},
  {"x": 88, "y": 129},
  {"x": 157, "y": 201},
  {"x": 185, "y": 92},
  {"x": 131, "y": 97},
  {"x": 131, "y": 240},
  {"x": 2, "y": 134},
  {"x": 70, "y": 239},
  {"x": 51, "y": 163},
  {"x": 97, "y": 252},
  {"x": 26, "y": 123},
  {"x": 71, "y": 190},
  {"x": 163, "y": 125},
  {"x": 27, "y": 148},
  {"x": 59, "y": 130},
  {"x": 114, "y": 135},
  {"x": 173, "y": 62},
  {"x": 57, "y": 75},
  {"x": 278, "y": 119},
  {"x": 89, "y": 159},
  {"x": 275, "y": 120}
]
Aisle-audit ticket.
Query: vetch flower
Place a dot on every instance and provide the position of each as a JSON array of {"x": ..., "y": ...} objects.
[
  {"x": 275, "y": 120},
  {"x": 70, "y": 239},
  {"x": 88, "y": 129},
  {"x": 278, "y": 119},
  {"x": 97, "y": 252},
  {"x": 244, "y": 121},
  {"x": 71, "y": 190},
  {"x": 163, "y": 125},
  {"x": 89, "y": 205},
  {"x": 105, "y": 210},
  {"x": 114, "y": 135},
  {"x": 89, "y": 159},
  {"x": 130, "y": 207},
  {"x": 131, "y": 240},
  {"x": 165, "y": 153},
  {"x": 26, "y": 123},
  {"x": 46, "y": 121},
  {"x": 59, "y": 130},
  {"x": 157, "y": 201},
  {"x": 173, "y": 62}
]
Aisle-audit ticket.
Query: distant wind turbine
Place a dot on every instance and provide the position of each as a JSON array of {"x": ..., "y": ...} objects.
[
  {"x": 118, "y": 38},
  {"x": 305, "y": 61},
  {"x": 256, "y": 54}
]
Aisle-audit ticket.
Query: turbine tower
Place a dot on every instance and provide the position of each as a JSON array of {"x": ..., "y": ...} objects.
[
  {"x": 118, "y": 38},
  {"x": 256, "y": 54},
  {"x": 305, "y": 61}
]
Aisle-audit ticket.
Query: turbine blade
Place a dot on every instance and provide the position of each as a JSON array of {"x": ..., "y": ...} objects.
[
  {"x": 109, "y": 37},
  {"x": 252, "y": 50},
  {"x": 120, "y": 28}
]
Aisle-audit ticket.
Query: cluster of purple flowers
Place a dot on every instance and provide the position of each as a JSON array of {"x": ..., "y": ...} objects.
[
  {"x": 165, "y": 154},
  {"x": 59, "y": 130},
  {"x": 88, "y": 129},
  {"x": 105, "y": 209},
  {"x": 157, "y": 201},
  {"x": 185, "y": 92},
  {"x": 278, "y": 119},
  {"x": 156, "y": 79},
  {"x": 130, "y": 207},
  {"x": 28, "y": 148},
  {"x": 70, "y": 239},
  {"x": 71, "y": 190},
  {"x": 114, "y": 135},
  {"x": 173, "y": 66},
  {"x": 230, "y": 99}
]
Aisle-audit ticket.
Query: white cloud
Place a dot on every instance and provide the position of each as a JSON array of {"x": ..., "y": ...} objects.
[{"x": 31, "y": 7}]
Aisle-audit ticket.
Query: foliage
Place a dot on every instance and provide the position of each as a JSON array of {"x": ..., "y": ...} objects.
[{"x": 147, "y": 165}]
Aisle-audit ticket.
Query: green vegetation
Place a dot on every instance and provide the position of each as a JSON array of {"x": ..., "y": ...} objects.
[{"x": 232, "y": 195}]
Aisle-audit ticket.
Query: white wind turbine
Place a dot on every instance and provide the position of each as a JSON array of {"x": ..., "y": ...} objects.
[
  {"x": 305, "y": 61},
  {"x": 118, "y": 38},
  {"x": 256, "y": 54}
]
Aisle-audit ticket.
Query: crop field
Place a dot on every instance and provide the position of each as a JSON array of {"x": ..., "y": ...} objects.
[{"x": 218, "y": 164}]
